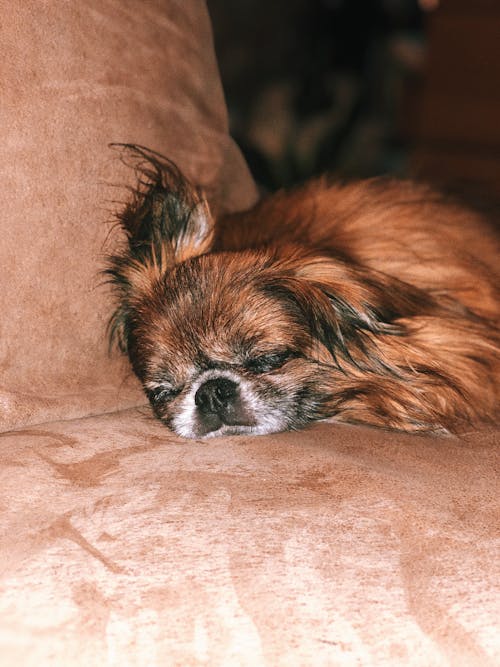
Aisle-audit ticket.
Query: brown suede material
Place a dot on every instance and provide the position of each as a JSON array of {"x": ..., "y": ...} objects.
[
  {"x": 76, "y": 76},
  {"x": 124, "y": 545}
]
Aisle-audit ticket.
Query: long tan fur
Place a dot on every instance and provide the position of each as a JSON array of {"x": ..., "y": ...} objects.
[{"x": 375, "y": 302}]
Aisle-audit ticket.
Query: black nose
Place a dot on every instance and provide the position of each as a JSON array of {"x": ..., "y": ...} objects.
[{"x": 214, "y": 396}]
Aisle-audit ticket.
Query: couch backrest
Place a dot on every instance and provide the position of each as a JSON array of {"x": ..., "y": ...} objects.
[{"x": 76, "y": 76}]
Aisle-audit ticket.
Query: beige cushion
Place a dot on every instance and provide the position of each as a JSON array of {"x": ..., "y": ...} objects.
[
  {"x": 76, "y": 76},
  {"x": 124, "y": 545}
]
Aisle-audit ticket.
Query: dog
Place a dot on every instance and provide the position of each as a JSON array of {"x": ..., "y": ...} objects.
[{"x": 373, "y": 302}]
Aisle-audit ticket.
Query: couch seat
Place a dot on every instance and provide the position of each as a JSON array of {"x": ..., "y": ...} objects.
[{"x": 122, "y": 544}]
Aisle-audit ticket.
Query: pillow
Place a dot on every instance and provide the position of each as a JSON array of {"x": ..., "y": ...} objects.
[{"x": 77, "y": 76}]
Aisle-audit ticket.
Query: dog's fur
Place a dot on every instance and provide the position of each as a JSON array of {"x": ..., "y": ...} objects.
[{"x": 375, "y": 302}]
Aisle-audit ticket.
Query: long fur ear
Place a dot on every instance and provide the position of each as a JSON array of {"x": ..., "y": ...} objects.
[
  {"x": 348, "y": 306},
  {"x": 167, "y": 221},
  {"x": 168, "y": 217}
]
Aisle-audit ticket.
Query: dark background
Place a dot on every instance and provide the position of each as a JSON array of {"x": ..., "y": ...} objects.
[{"x": 362, "y": 88}]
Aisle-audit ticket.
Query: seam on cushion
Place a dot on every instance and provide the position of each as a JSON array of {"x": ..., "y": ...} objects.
[{"x": 70, "y": 419}]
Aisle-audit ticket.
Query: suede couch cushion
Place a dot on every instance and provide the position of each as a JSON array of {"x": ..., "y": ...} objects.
[
  {"x": 76, "y": 76},
  {"x": 123, "y": 546}
]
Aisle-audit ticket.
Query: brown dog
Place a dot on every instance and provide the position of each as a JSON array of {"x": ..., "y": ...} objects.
[{"x": 375, "y": 302}]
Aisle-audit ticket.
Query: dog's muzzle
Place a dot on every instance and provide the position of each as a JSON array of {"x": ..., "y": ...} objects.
[{"x": 219, "y": 403}]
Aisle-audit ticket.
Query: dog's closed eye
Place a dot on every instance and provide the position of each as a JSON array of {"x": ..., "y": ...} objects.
[
  {"x": 269, "y": 362},
  {"x": 162, "y": 394}
]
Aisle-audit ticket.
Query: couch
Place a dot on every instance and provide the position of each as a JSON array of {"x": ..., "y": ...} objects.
[{"x": 123, "y": 544}]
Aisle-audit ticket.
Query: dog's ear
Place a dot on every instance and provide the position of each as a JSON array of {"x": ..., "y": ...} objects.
[
  {"x": 167, "y": 221},
  {"x": 347, "y": 306},
  {"x": 369, "y": 299}
]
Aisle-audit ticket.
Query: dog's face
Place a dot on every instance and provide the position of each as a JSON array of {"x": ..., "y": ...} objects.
[{"x": 222, "y": 346}]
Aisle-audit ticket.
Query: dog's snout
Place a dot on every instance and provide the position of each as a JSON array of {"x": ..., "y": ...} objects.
[{"x": 214, "y": 396}]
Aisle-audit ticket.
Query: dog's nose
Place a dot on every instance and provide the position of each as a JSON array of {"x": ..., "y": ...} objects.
[{"x": 216, "y": 395}]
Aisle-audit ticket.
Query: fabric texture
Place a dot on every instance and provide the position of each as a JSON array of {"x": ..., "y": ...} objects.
[
  {"x": 125, "y": 545},
  {"x": 75, "y": 77}
]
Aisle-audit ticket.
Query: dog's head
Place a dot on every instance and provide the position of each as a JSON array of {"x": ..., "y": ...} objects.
[{"x": 236, "y": 342}]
